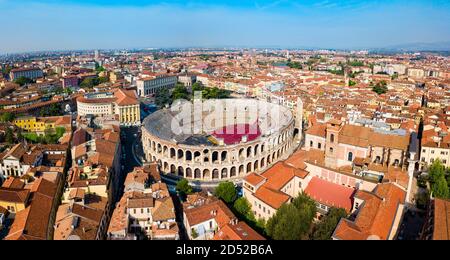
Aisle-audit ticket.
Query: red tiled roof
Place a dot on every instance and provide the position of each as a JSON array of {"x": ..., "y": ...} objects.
[{"x": 330, "y": 194}]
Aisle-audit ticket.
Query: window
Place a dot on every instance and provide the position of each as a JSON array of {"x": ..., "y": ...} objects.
[
  {"x": 331, "y": 150},
  {"x": 332, "y": 138},
  {"x": 319, "y": 145},
  {"x": 311, "y": 144},
  {"x": 350, "y": 156}
]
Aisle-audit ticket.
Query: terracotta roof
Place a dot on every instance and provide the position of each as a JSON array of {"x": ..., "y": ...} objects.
[
  {"x": 14, "y": 195},
  {"x": 215, "y": 210},
  {"x": 239, "y": 231},
  {"x": 441, "y": 230},
  {"x": 330, "y": 194},
  {"x": 376, "y": 215}
]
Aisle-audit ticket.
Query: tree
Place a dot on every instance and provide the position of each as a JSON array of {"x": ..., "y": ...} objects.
[
  {"x": 324, "y": 230},
  {"x": 440, "y": 188},
  {"x": 52, "y": 110},
  {"x": 9, "y": 137},
  {"x": 243, "y": 208},
  {"x": 23, "y": 81},
  {"x": 184, "y": 188},
  {"x": 292, "y": 221},
  {"x": 163, "y": 98},
  {"x": 380, "y": 88},
  {"x": 180, "y": 92},
  {"x": 7, "y": 117},
  {"x": 226, "y": 191}
]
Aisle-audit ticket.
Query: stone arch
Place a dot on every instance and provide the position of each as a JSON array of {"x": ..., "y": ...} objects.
[
  {"x": 256, "y": 150},
  {"x": 180, "y": 171},
  {"x": 256, "y": 166},
  {"x": 188, "y": 173},
  {"x": 180, "y": 154},
  {"x": 197, "y": 155},
  {"x": 188, "y": 155},
  {"x": 166, "y": 167},
  {"x": 173, "y": 169},
  {"x": 215, "y": 174},
  {"x": 197, "y": 174},
  {"x": 165, "y": 150},
  {"x": 233, "y": 172},
  {"x": 249, "y": 152},
  {"x": 215, "y": 157},
  {"x": 249, "y": 167},
  {"x": 154, "y": 146},
  {"x": 172, "y": 153},
  {"x": 223, "y": 156},
  {"x": 241, "y": 153},
  {"x": 159, "y": 148},
  {"x": 269, "y": 160},
  {"x": 263, "y": 163},
  {"x": 263, "y": 147},
  {"x": 206, "y": 174},
  {"x": 224, "y": 173},
  {"x": 241, "y": 170}
]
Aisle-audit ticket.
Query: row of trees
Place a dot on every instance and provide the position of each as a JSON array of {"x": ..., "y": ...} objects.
[
  {"x": 50, "y": 137},
  {"x": 92, "y": 82},
  {"x": 165, "y": 97},
  {"x": 22, "y": 81}
]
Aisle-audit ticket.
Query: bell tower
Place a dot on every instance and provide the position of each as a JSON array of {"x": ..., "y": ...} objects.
[
  {"x": 299, "y": 119},
  {"x": 334, "y": 127}
]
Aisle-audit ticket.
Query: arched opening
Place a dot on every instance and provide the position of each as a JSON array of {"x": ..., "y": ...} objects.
[
  {"x": 215, "y": 157},
  {"x": 269, "y": 160},
  {"x": 172, "y": 153},
  {"x": 350, "y": 157},
  {"x": 159, "y": 148},
  {"x": 188, "y": 173},
  {"x": 249, "y": 167},
  {"x": 197, "y": 156},
  {"x": 154, "y": 146},
  {"x": 241, "y": 170},
  {"x": 188, "y": 156},
  {"x": 378, "y": 159},
  {"x": 215, "y": 174},
  {"x": 256, "y": 166},
  {"x": 180, "y": 171},
  {"x": 233, "y": 172},
  {"x": 396, "y": 162},
  {"x": 249, "y": 152},
  {"x": 224, "y": 156},
  {"x": 165, "y": 150},
  {"x": 197, "y": 174},
  {"x": 166, "y": 167},
  {"x": 224, "y": 174},
  {"x": 263, "y": 147},
  {"x": 173, "y": 169},
  {"x": 206, "y": 155},
  {"x": 241, "y": 153},
  {"x": 206, "y": 174},
  {"x": 180, "y": 154},
  {"x": 256, "y": 149},
  {"x": 263, "y": 163}
]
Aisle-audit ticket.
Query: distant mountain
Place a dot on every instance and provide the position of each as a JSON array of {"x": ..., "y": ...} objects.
[{"x": 435, "y": 46}]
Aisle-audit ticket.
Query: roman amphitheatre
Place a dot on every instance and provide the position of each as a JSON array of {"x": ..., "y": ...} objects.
[{"x": 217, "y": 140}]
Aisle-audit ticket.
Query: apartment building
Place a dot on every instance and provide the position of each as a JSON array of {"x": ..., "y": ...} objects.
[{"x": 154, "y": 83}]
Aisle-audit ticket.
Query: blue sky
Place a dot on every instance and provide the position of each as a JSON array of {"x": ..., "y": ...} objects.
[{"x": 30, "y": 25}]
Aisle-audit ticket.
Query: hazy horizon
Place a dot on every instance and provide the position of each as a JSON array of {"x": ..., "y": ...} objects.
[{"x": 50, "y": 25}]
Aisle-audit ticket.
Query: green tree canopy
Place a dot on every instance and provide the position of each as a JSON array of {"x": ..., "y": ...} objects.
[
  {"x": 184, "y": 188},
  {"x": 292, "y": 221},
  {"x": 440, "y": 188},
  {"x": 23, "y": 81},
  {"x": 7, "y": 117},
  {"x": 243, "y": 208},
  {"x": 226, "y": 191},
  {"x": 324, "y": 230},
  {"x": 380, "y": 88}
]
